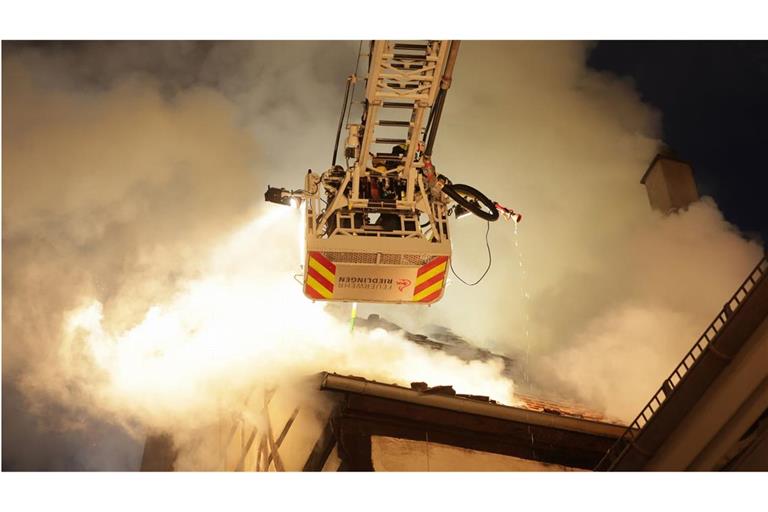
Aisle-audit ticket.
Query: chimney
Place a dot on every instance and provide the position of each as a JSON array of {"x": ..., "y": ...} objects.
[{"x": 669, "y": 183}]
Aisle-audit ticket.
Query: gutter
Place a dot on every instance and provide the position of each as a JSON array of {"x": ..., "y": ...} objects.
[{"x": 334, "y": 382}]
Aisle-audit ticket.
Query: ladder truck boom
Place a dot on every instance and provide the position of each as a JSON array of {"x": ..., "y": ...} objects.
[{"x": 377, "y": 229}]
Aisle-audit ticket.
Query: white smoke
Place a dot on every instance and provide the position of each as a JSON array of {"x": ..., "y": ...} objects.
[
  {"x": 139, "y": 270},
  {"x": 146, "y": 286},
  {"x": 599, "y": 287}
]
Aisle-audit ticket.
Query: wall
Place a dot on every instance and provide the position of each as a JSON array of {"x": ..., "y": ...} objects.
[{"x": 392, "y": 454}]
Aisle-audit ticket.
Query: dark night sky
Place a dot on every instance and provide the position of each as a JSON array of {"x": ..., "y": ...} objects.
[{"x": 713, "y": 96}]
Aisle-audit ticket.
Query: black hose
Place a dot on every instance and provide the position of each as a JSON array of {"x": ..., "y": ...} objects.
[
  {"x": 454, "y": 191},
  {"x": 428, "y": 129},
  {"x": 434, "y": 121},
  {"x": 341, "y": 122},
  {"x": 490, "y": 260}
]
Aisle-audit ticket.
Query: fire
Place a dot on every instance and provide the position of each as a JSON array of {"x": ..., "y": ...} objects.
[{"x": 247, "y": 323}]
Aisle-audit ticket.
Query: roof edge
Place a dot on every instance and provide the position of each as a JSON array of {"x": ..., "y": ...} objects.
[{"x": 359, "y": 385}]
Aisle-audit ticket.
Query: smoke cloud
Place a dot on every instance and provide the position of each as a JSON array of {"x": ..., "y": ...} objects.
[
  {"x": 146, "y": 285},
  {"x": 598, "y": 294}
]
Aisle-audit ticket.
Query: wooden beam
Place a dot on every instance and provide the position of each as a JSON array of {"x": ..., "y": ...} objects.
[
  {"x": 241, "y": 464},
  {"x": 159, "y": 453},
  {"x": 322, "y": 449},
  {"x": 260, "y": 455},
  {"x": 354, "y": 447},
  {"x": 282, "y": 435}
]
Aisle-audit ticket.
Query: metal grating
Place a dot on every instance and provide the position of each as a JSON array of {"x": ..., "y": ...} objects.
[
  {"x": 365, "y": 258},
  {"x": 405, "y": 259},
  {"x": 351, "y": 257}
]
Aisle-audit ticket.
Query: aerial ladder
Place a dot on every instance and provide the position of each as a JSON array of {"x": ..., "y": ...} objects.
[{"x": 376, "y": 230}]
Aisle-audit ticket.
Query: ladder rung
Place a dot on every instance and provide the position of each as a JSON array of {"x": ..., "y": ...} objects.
[
  {"x": 395, "y": 104},
  {"x": 405, "y": 56},
  {"x": 395, "y": 85},
  {"x": 399, "y": 77},
  {"x": 409, "y": 46},
  {"x": 408, "y": 66},
  {"x": 385, "y": 122},
  {"x": 390, "y": 141},
  {"x": 389, "y": 156}
]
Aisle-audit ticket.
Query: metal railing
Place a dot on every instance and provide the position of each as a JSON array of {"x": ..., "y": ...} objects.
[{"x": 704, "y": 343}]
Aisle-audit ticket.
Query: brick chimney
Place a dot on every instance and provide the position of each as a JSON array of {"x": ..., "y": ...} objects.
[{"x": 669, "y": 183}]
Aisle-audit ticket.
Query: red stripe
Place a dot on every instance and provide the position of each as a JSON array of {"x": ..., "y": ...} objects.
[
  {"x": 429, "y": 282},
  {"x": 432, "y": 264},
  {"x": 323, "y": 261},
  {"x": 433, "y": 297},
  {"x": 308, "y": 290},
  {"x": 320, "y": 279}
]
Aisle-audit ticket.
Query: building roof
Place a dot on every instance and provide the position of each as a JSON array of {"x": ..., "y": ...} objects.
[
  {"x": 365, "y": 410},
  {"x": 440, "y": 338},
  {"x": 574, "y": 410},
  {"x": 531, "y": 411},
  {"x": 533, "y": 396}
]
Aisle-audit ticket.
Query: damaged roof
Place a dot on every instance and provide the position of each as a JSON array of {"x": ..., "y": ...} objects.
[
  {"x": 527, "y": 410},
  {"x": 441, "y": 338}
]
